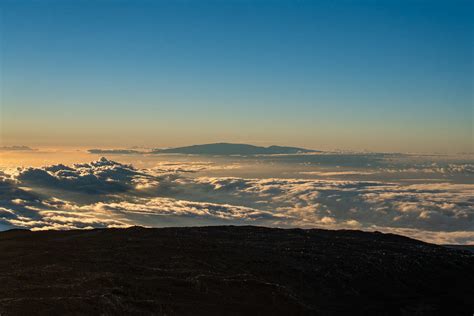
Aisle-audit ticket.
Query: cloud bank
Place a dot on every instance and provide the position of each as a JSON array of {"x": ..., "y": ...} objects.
[
  {"x": 105, "y": 193},
  {"x": 16, "y": 148}
]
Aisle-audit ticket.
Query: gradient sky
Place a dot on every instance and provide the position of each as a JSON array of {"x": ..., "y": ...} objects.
[{"x": 376, "y": 75}]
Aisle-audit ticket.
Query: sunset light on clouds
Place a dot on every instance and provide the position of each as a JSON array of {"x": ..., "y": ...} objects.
[
  {"x": 236, "y": 157},
  {"x": 381, "y": 95}
]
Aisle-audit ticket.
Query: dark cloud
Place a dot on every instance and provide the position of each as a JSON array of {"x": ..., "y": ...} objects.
[
  {"x": 116, "y": 152},
  {"x": 16, "y": 148}
]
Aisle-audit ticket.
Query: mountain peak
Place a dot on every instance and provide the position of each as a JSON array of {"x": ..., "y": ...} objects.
[{"x": 223, "y": 148}]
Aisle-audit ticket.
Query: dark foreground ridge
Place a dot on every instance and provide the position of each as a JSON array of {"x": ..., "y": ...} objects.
[{"x": 230, "y": 270}]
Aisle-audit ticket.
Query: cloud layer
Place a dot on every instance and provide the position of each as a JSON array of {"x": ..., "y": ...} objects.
[{"x": 110, "y": 194}]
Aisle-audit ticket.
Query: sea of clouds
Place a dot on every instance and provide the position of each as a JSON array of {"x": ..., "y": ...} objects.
[{"x": 105, "y": 193}]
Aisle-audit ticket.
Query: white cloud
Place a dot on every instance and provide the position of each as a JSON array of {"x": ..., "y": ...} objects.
[{"x": 109, "y": 194}]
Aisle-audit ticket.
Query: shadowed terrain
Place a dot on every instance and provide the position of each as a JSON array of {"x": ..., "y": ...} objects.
[
  {"x": 232, "y": 149},
  {"x": 230, "y": 270}
]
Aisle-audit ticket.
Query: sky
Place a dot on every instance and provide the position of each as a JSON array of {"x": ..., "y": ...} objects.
[{"x": 362, "y": 75}]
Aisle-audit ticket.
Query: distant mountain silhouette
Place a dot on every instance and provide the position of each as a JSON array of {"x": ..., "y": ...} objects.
[{"x": 232, "y": 149}]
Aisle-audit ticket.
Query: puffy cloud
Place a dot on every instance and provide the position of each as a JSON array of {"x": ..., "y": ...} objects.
[
  {"x": 440, "y": 206},
  {"x": 98, "y": 177},
  {"x": 59, "y": 197},
  {"x": 450, "y": 168},
  {"x": 465, "y": 169}
]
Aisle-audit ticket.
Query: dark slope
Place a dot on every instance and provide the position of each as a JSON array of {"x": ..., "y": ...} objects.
[
  {"x": 232, "y": 149},
  {"x": 230, "y": 270},
  {"x": 462, "y": 247}
]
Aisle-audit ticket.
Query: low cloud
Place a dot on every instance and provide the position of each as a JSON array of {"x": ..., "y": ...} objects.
[
  {"x": 337, "y": 173},
  {"x": 116, "y": 152},
  {"x": 98, "y": 177},
  {"x": 16, "y": 148},
  {"x": 59, "y": 197},
  {"x": 459, "y": 168},
  {"x": 192, "y": 167}
]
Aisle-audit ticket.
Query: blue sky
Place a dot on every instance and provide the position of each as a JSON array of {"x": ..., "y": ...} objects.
[{"x": 377, "y": 75}]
